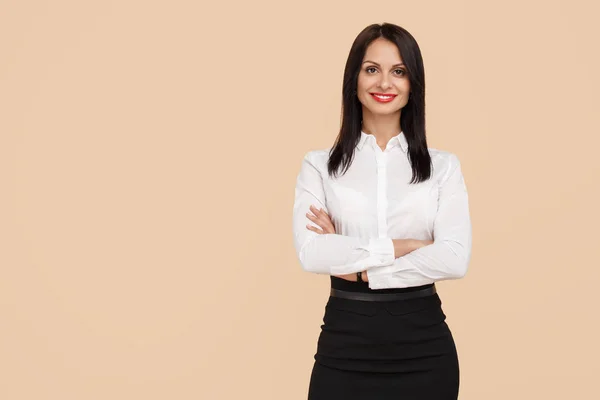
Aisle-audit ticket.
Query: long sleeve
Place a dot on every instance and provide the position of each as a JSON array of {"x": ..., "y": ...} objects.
[
  {"x": 448, "y": 257},
  {"x": 331, "y": 254}
]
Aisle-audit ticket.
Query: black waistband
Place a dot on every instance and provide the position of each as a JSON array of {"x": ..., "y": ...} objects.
[
  {"x": 363, "y": 287},
  {"x": 428, "y": 291}
]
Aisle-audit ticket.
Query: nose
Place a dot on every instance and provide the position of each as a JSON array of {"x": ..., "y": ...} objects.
[{"x": 384, "y": 83}]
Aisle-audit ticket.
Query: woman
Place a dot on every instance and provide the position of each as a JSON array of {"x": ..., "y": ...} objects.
[{"x": 386, "y": 227}]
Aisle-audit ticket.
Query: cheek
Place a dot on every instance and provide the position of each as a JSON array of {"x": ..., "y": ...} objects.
[
  {"x": 404, "y": 86},
  {"x": 364, "y": 82},
  {"x": 360, "y": 93}
]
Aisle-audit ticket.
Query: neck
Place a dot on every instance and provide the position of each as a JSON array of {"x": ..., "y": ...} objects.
[{"x": 383, "y": 127}]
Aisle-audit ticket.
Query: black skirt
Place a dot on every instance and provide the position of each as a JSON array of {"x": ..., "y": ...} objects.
[{"x": 384, "y": 350}]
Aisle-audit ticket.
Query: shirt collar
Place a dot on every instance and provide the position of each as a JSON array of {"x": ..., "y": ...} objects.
[{"x": 398, "y": 140}]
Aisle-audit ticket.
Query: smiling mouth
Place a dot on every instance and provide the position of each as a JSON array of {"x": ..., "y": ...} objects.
[{"x": 383, "y": 98}]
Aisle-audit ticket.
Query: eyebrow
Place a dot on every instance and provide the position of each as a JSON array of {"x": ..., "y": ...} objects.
[{"x": 373, "y": 62}]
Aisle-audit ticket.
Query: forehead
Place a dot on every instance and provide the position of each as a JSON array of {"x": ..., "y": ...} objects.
[{"x": 383, "y": 51}]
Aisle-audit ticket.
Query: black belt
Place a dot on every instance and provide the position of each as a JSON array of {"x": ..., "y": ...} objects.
[{"x": 383, "y": 296}]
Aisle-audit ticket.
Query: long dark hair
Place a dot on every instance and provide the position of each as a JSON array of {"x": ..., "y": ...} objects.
[{"x": 412, "y": 121}]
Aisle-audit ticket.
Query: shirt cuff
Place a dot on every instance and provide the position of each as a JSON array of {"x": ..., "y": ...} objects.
[
  {"x": 378, "y": 279},
  {"x": 400, "y": 274},
  {"x": 382, "y": 249}
]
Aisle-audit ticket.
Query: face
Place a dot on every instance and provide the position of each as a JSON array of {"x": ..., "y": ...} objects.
[{"x": 383, "y": 84}]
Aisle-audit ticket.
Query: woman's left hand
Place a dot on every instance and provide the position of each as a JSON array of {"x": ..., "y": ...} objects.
[{"x": 322, "y": 219}]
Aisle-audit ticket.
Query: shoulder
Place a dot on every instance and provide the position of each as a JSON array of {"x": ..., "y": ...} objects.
[
  {"x": 442, "y": 156},
  {"x": 444, "y": 163},
  {"x": 317, "y": 158}
]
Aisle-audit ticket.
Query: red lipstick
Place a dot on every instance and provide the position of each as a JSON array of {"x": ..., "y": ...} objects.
[{"x": 383, "y": 97}]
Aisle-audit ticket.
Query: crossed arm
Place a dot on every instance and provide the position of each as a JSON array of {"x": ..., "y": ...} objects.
[
  {"x": 385, "y": 262},
  {"x": 322, "y": 219}
]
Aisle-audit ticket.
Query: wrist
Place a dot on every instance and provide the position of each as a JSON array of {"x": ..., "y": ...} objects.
[{"x": 404, "y": 246}]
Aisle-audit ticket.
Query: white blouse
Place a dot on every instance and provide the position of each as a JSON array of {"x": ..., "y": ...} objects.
[{"x": 373, "y": 203}]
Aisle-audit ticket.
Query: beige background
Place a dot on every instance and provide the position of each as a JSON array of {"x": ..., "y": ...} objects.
[{"x": 148, "y": 157}]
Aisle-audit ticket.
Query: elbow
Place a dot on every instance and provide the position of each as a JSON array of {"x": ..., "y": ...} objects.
[
  {"x": 312, "y": 267},
  {"x": 307, "y": 267},
  {"x": 460, "y": 270},
  {"x": 308, "y": 263},
  {"x": 311, "y": 259},
  {"x": 458, "y": 263},
  {"x": 461, "y": 266}
]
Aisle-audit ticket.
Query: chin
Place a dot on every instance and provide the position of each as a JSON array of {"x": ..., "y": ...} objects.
[{"x": 383, "y": 110}]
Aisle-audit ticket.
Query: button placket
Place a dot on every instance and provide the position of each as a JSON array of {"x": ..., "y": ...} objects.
[{"x": 381, "y": 193}]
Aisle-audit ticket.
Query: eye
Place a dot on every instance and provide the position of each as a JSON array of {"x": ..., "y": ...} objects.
[
  {"x": 368, "y": 68},
  {"x": 402, "y": 72}
]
